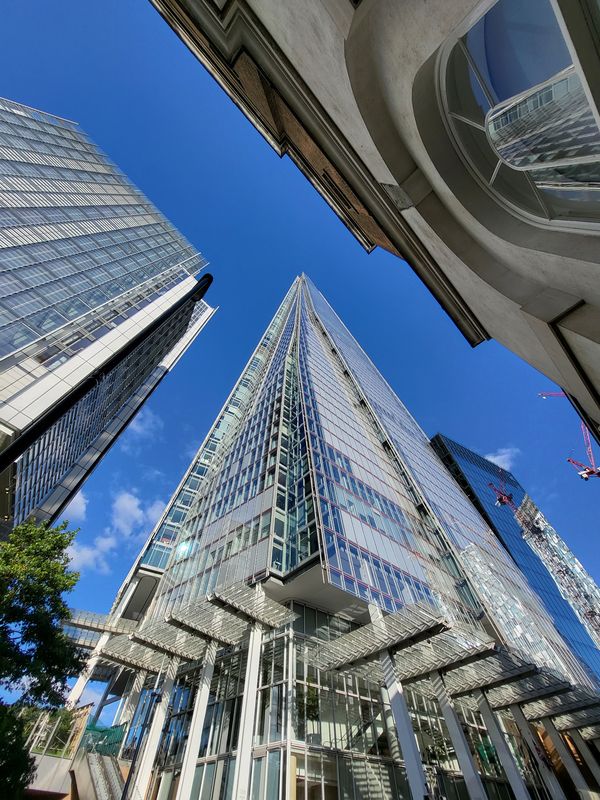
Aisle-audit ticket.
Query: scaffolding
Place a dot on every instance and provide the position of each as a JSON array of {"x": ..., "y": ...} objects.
[{"x": 575, "y": 584}]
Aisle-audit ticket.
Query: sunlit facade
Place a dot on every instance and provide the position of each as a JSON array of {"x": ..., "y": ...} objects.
[
  {"x": 98, "y": 300},
  {"x": 321, "y": 612}
]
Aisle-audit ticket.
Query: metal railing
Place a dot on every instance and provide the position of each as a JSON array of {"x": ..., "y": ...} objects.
[{"x": 55, "y": 733}]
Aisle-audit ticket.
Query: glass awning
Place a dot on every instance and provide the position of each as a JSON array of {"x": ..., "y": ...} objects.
[
  {"x": 449, "y": 648},
  {"x": 390, "y": 632},
  {"x": 121, "y": 650},
  {"x": 205, "y": 621},
  {"x": 590, "y": 732},
  {"x": 543, "y": 684},
  {"x": 103, "y": 623},
  {"x": 578, "y": 719},
  {"x": 574, "y": 700},
  {"x": 502, "y": 667},
  {"x": 165, "y": 638},
  {"x": 253, "y": 603}
]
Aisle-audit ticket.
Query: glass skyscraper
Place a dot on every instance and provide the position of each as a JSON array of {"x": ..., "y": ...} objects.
[
  {"x": 474, "y": 473},
  {"x": 322, "y": 613},
  {"x": 98, "y": 299}
]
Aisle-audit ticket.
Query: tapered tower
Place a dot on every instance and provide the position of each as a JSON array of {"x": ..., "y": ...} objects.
[{"x": 321, "y": 612}]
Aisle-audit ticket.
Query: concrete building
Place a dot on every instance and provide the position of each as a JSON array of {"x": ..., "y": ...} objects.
[
  {"x": 334, "y": 618},
  {"x": 99, "y": 299},
  {"x": 568, "y": 592},
  {"x": 402, "y": 114}
]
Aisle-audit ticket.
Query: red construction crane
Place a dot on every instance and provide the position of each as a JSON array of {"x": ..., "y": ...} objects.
[
  {"x": 585, "y": 471},
  {"x": 503, "y": 498}
]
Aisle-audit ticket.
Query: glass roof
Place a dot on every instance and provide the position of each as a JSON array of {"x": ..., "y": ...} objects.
[
  {"x": 449, "y": 648},
  {"x": 390, "y": 632},
  {"x": 501, "y": 667},
  {"x": 204, "y": 620},
  {"x": 168, "y": 639},
  {"x": 578, "y": 719},
  {"x": 121, "y": 650},
  {"x": 543, "y": 684},
  {"x": 253, "y": 602},
  {"x": 100, "y": 622},
  {"x": 590, "y": 732},
  {"x": 573, "y": 700}
]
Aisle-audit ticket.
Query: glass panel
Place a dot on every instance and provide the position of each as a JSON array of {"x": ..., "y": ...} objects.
[
  {"x": 197, "y": 780},
  {"x": 298, "y": 775},
  {"x": 257, "y": 770},
  {"x": 207, "y": 784},
  {"x": 313, "y": 777},
  {"x": 274, "y": 761}
]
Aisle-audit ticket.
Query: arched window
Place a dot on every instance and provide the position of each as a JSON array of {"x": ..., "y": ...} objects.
[{"x": 519, "y": 112}]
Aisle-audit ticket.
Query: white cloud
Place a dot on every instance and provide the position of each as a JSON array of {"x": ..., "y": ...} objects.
[
  {"x": 76, "y": 510},
  {"x": 127, "y": 513},
  {"x": 94, "y": 557},
  {"x": 131, "y": 517},
  {"x": 144, "y": 428},
  {"x": 130, "y": 514},
  {"x": 504, "y": 457},
  {"x": 153, "y": 512}
]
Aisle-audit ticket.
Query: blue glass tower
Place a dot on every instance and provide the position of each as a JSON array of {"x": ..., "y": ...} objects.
[{"x": 474, "y": 473}]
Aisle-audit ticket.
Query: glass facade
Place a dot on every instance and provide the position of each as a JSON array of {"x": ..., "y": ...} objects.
[
  {"x": 475, "y": 473},
  {"x": 75, "y": 236},
  {"x": 86, "y": 262},
  {"x": 44, "y": 464},
  {"x": 316, "y": 482}
]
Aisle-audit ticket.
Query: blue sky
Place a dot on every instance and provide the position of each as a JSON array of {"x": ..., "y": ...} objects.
[{"x": 117, "y": 69}]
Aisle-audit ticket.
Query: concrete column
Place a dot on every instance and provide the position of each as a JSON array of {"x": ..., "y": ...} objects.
[
  {"x": 415, "y": 773},
  {"x": 78, "y": 688},
  {"x": 581, "y": 785},
  {"x": 537, "y": 753},
  {"x": 143, "y": 771},
  {"x": 471, "y": 776},
  {"x": 406, "y": 734},
  {"x": 513, "y": 775},
  {"x": 192, "y": 747},
  {"x": 586, "y": 754},
  {"x": 243, "y": 762},
  {"x": 390, "y": 723}
]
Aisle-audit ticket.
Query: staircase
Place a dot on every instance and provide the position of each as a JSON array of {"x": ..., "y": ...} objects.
[{"x": 105, "y": 776}]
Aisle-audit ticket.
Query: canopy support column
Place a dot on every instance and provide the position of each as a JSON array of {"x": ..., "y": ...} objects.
[
  {"x": 514, "y": 777},
  {"x": 143, "y": 773},
  {"x": 192, "y": 748},
  {"x": 535, "y": 748},
  {"x": 581, "y": 785},
  {"x": 243, "y": 762},
  {"x": 459, "y": 742}
]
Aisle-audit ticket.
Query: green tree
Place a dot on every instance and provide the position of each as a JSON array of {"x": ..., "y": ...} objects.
[
  {"x": 16, "y": 765},
  {"x": 36, "y": 657}
]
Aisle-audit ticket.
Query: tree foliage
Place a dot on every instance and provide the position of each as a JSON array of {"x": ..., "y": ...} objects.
[
  {"x": 16, "y": 765},
  {"x": 36, "y": 657}
]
